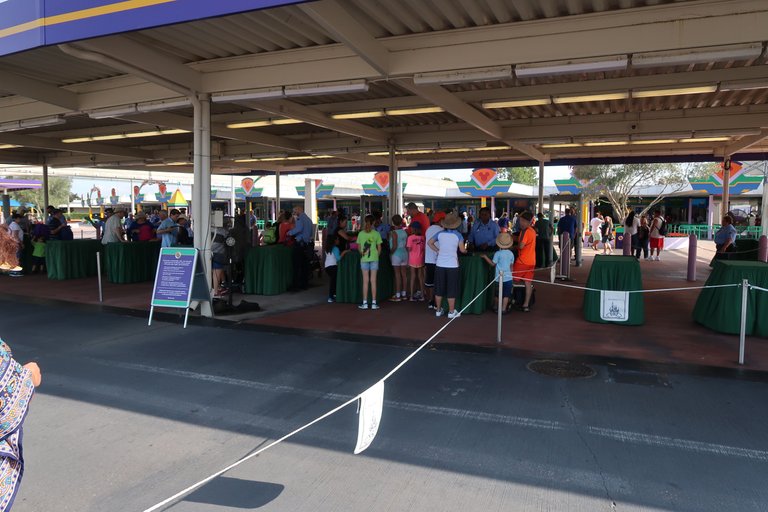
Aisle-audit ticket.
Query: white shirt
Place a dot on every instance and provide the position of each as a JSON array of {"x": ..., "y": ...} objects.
[
  {"x": 448, "y": 243},
  {"x": 111, "y": 230},
  {"x": 430, "y": 256},
  {"x": 595, "y": 224},
  {"x": 16, "y": 231},
  {"x": 656, "y": 226},
  {"x": 632, "y": 230}
]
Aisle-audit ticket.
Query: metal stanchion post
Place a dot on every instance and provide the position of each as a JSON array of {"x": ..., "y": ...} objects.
[
  {"x": 743, "y": 333},
  {"x": 500, "y": 305},
  {"x": 692, "y": 249},
  {"x": 98, "y": 273}
]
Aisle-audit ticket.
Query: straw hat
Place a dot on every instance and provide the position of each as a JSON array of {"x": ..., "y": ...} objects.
[
  {"x": 504, "y": 240},
  {"x": 451, "y": 221}
]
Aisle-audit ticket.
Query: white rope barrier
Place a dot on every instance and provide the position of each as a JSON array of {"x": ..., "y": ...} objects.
[
  {"x": 653, "y": 290},
  {"x": 753, "y": 287},
  {"x": 333, "y": 411}
]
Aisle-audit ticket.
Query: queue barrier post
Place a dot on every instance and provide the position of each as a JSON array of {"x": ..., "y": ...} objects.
[
  {"x": 98, "y": 274},
  {"x": 499, "y": 306},
  {"x": 743, "y": 333},
  {"x": 692, "y": 248}
]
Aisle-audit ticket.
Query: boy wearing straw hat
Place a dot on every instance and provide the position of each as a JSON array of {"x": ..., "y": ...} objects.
[
  {"x": 447, "y": 244},
  {"x": 503, "y": 260}
]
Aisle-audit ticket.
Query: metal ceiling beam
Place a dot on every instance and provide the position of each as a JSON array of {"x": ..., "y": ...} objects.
[
  {"x": 345, "y": 29},
  {"x": 37, "y": 90},
  {"x": 314, "y": 117},
  {"x": 744, "y": 143},
  {"x": 32, "y": 141}
]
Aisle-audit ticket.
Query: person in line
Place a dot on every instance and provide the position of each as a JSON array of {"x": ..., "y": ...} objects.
[
  {"x": 303, "y": 249},
  {"x": 416, "y": 216},
  {"x": 220, "y": 257},
  {"x": 341, "y": 232},
  {"x": 141, "y": 230},
  {"x": 567, "y": 224},
  {"x": 525, "y": 263},
  {"x": 369, "y": 245},
  {"x": 333, "y": 255},
  {"x": 287, "y": 223},
  {"x": 447, "y": 244},
  {"x": 631, "y": 228},
  {"x": 430, "y": 258},
  {"x": 643, "y": 238},
  {"x": 184, "y": 236},
  {"x": 503, "y": 259},
  {"x": 113, "y": 229},
  {"x": 383, "y": 228},
  {"x": 725, "y": 239},
  {"x": 38, "y": 255},
  {"x": 399, "y": 257},
  {"x": 57, "y": 226},
  {"x": 543, "y": 239},
  {"x": 595, "y": 224},
  {"x": 169, "y": 228},
  {"x": 483, "y": 235},
  {"x": 415, "y": 245},
  {"x": 606, "y": 231},
  {"x": 332, "y": 223},
  {"x": 17, "y": 234},
  {"x": 657, "y": 238},
  {"x": 463, "y": 227}
]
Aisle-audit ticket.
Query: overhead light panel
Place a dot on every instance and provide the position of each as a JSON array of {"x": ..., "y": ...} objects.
[
  {"x": 107, "y": 113},
  {"x": 571, "y": 67},
  {"x": 8, "y": 146},
  {"x": 675, "y": 91},
  {"x": 249, "y": 94},
  {"x": 413, "y": 111},
  {"x": 743, "y": 85},
  {"x": 159, "y": 106},
  {"x": 697, "y": 56},
  {"x": 326, "y": 88},
  {"x": 610, "y": 96},
  {"x": 127, "y": 135},
  {"x": 262, "y": 122},
  {"x": 654, "y": 141},
  {"x": 530, "y": 102},
  {"x": 743, "y": 132},
  {"x": 607, "y": 143},
  {"x": 367, "y": 114},
  {"x": 25, "y": 124},
  {"x": 464, "y": 75},
  {"x": 706, "y": 139},
  {"x": 563, "y": 145},
  {"x": 278, "y": 122}
]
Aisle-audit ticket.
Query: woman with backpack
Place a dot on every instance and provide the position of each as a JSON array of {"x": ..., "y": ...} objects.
[
  {"x": 658, "y": 230},
  {"x": 606, "y": 230}
]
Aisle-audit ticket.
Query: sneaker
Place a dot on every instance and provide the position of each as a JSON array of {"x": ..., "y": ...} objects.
[
  {"x": 374, "y": 306},
  {"x": 395, "y": 298},
  {"x": 431, "y": 306},
  {"x": 421, "y": 298},
  {"x": 364, "y": 305},
  {"x": 413, "y": 298},
  {"x": 418, "y": 295},
  {"x": 331, "y": 300},
  {"x": 439, "y": 312},
  {"x": 454, "y": 314},
  {"x": 658, "y": 258}
]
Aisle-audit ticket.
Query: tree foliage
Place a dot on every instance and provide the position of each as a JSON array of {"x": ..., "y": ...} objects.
[
  {"x": 522, "y": 175},
  {"x": 59, "y": 192},
  {"x": 618, "y": 182}
]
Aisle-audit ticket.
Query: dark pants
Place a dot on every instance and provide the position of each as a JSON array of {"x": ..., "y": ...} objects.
[
  {"x": 301, "y": 257},
  {"x": 331, "y": 271},
  {"x": 640, "y": 245},
  {"x": 544, "y": 252}
]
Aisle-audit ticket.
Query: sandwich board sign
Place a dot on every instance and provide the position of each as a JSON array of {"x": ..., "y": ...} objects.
[{"x": 179, "y": 280}]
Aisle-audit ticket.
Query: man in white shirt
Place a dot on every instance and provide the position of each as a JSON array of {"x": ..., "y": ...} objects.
[
  {"x": 113, "y": 229},
  {"x": 594, "y": 225},
  {"x": 18, "y": 235},
  {"x": 657, "y": 239}
]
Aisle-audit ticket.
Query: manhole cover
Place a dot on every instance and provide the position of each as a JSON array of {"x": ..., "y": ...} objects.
[{"x": 562, "y": 369}]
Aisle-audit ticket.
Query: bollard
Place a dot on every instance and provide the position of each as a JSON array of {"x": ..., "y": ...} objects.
[
  {"x": 565, "y": 256},
  {"x": 499, "y": 305},
  {"x": 98, "y": 273},
  {"x": 762, "y": 254},
  {"x": 692, "y": 248},
  {"x": 743, "y": 331}
]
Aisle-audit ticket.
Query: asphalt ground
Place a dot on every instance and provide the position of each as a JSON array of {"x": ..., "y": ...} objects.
[{"x": 128, "y": 415}]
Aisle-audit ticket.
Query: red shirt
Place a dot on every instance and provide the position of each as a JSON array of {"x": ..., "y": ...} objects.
[{"x": 422, "y": 219}]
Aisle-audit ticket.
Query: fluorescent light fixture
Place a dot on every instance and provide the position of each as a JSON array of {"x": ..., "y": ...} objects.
[
  {"x": 8, "y": 146},
  {"x": 262, "y": 122},
  {"x": 106, "y": 113},
  {"x": 698, "y": 55},
  {"x": 308, "y": 157},
  {"x": 743, "y": 85},
  {"x": 381, "y": 153},
  {"x": 493, "y": 148},
  {"x": 76, "y": 140},
  {"x": 159, "y": 106},
  {"x": 37, "y": 122},
  {"x": 413, "y": 111},
  {"x": 608, "y": 96},
  {"x": 367, "y": 114},
  {"x": 654, "y": 141},
  {"x": 607, "y": 143},
  {"x": 326, "y": 88},
  {"x": 109, "y": 137},
  {"x": 174, "y": 164},
  {"x": 287, "y": 120},
  {"x": 571, "y": 67},
  {"x": 249, "y": 94},
  {"x": 464, "y": 75},
  {"x": 563, "y": 145},
  {"x": 674, "y": 91},
  {"x": 530, "y": 102},
  {"x": 744, "y": 132},
  {"x": 661, "y": 135},
  {"x": 128, "y": 135},
  {"x": 706, "y": 139}
]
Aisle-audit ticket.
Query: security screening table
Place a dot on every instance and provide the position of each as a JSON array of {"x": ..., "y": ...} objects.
[
  {"x": 133, "y": 262},
  {"x": 268, "y": 270},
  {"x": 619, "y": 273},
  {"x": 72, "y": 259}
]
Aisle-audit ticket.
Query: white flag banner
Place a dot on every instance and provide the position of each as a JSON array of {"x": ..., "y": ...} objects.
[
  {"x": 614, "y": 306},
  {"x": 371, "y": 406}
]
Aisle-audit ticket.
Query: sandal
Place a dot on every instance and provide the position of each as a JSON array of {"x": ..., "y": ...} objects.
[{"x": 525, "y": 309}]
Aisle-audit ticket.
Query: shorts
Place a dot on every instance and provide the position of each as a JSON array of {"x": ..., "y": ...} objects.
[
  {"x": 38, "y": 260},
  {"x": 216, "y": 266},
  {"x": 398, "y": 261},
  {"x": 657, "y": 243},
  {"x": 447, "y": 282},
  {"x": 506, "y": 289},
  {"x": 523, "y": 272},
  {"x": 596, "y": 236},
  {"x": 606, "y": 239},
  {"x": 416, "y": 265},
  {"x": 429, "y": 280},
  {"x": 369, "y": 265}
]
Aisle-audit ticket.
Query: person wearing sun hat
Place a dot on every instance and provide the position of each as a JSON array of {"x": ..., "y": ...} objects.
[
  {"x": 447, "y": 244},
  {"x": 503, "y": 259},
  {"x": 430, "y": 258}
]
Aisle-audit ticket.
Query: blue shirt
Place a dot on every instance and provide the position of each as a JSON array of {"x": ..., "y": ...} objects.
[
  {"x": 168, "y": 238},
  {"x": 725, "y": 233},
  {"x": 567, "y": 224},
  {"x": 484, "y": 234},
  {"x": 504, "y": 260},
  {"x": 383, "y": 230},
  {"x": 303, "y": 230}
]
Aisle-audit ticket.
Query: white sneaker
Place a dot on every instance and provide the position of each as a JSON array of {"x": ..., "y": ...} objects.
[
  {"x": 439, "y": 312},
  {"x": 658, "y": 258},
  {"x": 374, "y": 306},
  {"x": 364, "y": 305},
  {"x": 454, "y": 314}
]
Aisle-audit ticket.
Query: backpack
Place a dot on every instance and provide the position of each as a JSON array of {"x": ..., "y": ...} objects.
[
  {"x": 663, "y": 227},
  {"x": 270, "y": 236}
]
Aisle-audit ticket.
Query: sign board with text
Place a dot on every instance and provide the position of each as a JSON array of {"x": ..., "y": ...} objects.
[{"x": 179, "y": 280}]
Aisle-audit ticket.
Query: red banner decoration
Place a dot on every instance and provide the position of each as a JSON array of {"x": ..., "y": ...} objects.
[
  {"x": 484, "y": 177},
  {"x": 136, "y": 190},
  {"x": 247, "y": 184},
  {"x": 382, "y": 180},
  {"x": 162, "y": 188}
]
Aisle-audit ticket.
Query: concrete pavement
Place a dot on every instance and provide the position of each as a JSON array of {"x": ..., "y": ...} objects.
[{"x": 129, "y": 415}]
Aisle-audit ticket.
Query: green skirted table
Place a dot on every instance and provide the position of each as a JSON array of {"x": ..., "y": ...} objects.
[
  {"x": 747, "y": 249},
  {"x": 268, "y": 270},
  {"x": 615, "y": 273},
  {"x": 131, "y": 262},
  {"x": 719, "y": 309},
  {"x": 349, "y": 280},
  {"x": 72, "y": 259},
  {"x": 476, "y": 273}
]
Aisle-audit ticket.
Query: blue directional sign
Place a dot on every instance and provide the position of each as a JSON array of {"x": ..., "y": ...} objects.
[{"x": 26, "y": 24}]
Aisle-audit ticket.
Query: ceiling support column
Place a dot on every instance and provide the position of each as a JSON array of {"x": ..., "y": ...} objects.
[{"x": 202, "y": 187}]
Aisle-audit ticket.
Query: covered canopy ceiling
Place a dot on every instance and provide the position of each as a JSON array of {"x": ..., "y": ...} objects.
[{"x": 333, "y": 84}]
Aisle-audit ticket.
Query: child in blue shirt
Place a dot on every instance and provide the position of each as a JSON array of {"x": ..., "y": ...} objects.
[
  {"x": 503, "y": 259},
  {"x": 333, "y": 256}
]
